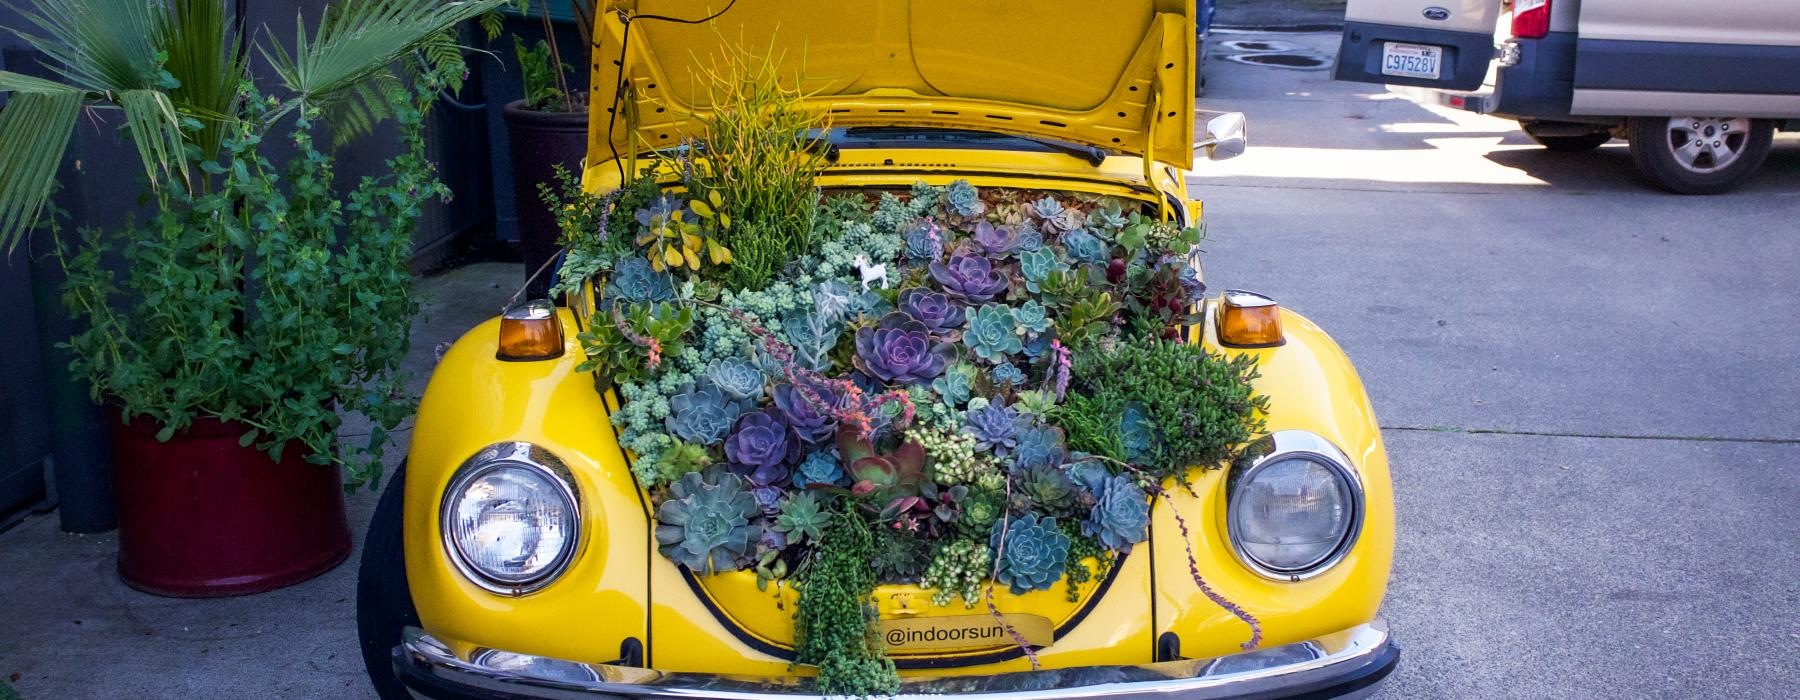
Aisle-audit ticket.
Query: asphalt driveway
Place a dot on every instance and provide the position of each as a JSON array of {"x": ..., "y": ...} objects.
[{"x": 1588, "y": 386}]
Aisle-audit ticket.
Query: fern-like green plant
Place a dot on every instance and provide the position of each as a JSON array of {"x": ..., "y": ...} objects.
[{"x": 172, "y": 68}]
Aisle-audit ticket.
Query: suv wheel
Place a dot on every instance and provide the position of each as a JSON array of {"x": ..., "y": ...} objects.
[
  {"x": 1699, "y": 155},
  {"x": 383, "y": 601}
]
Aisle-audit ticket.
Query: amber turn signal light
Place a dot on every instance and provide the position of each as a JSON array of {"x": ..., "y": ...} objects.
[
  {"x": 530, "y": 331},
  {"x": 1249, "y": 320}
]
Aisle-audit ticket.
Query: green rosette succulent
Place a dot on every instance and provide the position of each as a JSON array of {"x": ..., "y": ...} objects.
[
  {"x": 801, "y": 518},
  {"x": 981, "y": 509},
  {"x": 993, "y": 333},
  {"x": 957, "y": 384},
  {"x": 706, "y": 526},
  {"x": 1032, "y": 316},
  {"x": 1046, "y": 486},
  {"x": 1120, "y": 516},
  {"x": 1032, "y": 551}
]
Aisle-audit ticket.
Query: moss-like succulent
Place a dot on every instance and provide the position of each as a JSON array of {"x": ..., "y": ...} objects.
[
  {"x": 1120, "y": 517},
  {"x": 706, "y": 526},
  {"x": 992, "y": 333},
  {"x": 1032, "y": 552}
]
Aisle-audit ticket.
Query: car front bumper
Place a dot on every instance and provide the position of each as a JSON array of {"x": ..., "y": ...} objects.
[{"x": 1344, "y": 664}]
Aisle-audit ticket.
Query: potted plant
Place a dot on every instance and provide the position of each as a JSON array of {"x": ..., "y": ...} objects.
[
  {"x": 260, "y": 303},
  {"x": 546, "y": 128}
]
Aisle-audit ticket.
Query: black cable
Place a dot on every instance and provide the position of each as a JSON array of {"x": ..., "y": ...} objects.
[{"x": 619, "y": 88}]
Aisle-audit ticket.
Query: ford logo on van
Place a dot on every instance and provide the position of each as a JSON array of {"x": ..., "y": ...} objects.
[{"x": 1437, "y": 14}]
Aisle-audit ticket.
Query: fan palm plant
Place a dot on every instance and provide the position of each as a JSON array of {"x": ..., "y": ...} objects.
[{"x": 173, "y": 69}]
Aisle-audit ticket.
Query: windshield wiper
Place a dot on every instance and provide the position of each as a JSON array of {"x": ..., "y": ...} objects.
[{"x": 926, "y": 135}]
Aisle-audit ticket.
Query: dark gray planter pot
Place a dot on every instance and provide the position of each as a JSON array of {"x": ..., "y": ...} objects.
[{"x": 538, "y": 142}]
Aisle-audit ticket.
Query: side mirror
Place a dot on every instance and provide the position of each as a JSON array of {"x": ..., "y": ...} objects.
[{"x": 1224, "y": 136}]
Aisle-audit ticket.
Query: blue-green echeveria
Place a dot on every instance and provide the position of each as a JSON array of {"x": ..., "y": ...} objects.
[
  {"x": 957, "y": 384},
  {"x": 1007, "y": 374},
  {"x": 702, "y": 415},
  {"x": 737, "y": 377},
  {"x": 1037, "y": 265},
  {"x": 1121, "y": 515},
  {"x": 1106, "y": 218},
  {"x": 1032, "y": 316},
  {"x": 1056, "y": 216},
  {"x": 819, "y": 469},
  {"x": 925, "y": 241},
  {"x": 634, "y": 281},
  {"x": 1039, "y": 444},
  {"x": 962, "y": 199},
  {"x": 992, "y": 333},
  {"x": 1085, "y": 246},
  {"x": 1138, "y": 434},
  {"x": 994, "y": 426},
  {"x": 1032, "y": 552},
  {"x": 706, "y": 526}
]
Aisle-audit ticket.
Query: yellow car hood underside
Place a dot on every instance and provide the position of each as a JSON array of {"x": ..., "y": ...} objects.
[{"x": 1117, "y": 75}]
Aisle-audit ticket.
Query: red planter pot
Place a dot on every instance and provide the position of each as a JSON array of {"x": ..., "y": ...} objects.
[{"x": 201, "y": 517}]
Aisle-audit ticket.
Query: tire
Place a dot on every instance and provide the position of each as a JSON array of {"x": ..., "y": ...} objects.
[
  {"x": 1569, "y": 144},
  {"x": 383, "y": 602},
  {"x": 1721, "y": 152}
]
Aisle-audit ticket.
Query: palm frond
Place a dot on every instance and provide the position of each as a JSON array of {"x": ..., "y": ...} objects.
[
  {"x": 358, "y": 39},
  {"x": 155, "y": 129},
  {"x": 203, "y": 55},
  {"x": 34, "y": 131},
  {"x": 105, "y": 46}
]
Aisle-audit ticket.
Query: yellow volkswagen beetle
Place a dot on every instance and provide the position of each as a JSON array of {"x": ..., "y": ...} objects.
[{"x": 1259, "y": 579}]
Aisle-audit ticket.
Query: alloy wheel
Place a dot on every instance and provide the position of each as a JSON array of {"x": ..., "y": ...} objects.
[{"x": 1707, "y": 144}]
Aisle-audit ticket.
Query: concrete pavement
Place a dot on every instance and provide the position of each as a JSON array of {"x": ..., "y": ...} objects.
[{"x": 1588, "y": 385}]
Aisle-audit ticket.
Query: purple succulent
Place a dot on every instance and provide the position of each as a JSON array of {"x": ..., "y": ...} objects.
[
  {"x": 995, "y": 427},
  {"x": 969, "y": 278},
  {"x": 761, "y": 441},
  {"x": 811, "y": 422},
  {"x": 996, "y": 241},
  {"x": 900, "y": 350},
  {"x": 939, "y": 314}
]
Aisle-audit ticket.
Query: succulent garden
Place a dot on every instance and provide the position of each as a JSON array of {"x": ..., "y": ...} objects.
[{"x": 947, "y": 386}]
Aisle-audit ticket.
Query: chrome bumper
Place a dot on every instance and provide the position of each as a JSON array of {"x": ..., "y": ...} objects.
[{"x": 1344, "y": 664}]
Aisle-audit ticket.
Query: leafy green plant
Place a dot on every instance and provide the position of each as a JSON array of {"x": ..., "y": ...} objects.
[
  {"x": 273, "y": 306},
  {"x": 757, "y": 164},
  {"x": 540, "y": 74},
  {"x": 1199, "y": 406},
  {"x": 635, "y": 341}
]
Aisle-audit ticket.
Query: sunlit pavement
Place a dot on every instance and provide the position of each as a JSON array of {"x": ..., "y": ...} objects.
[{"x": 1588, "y": 384}]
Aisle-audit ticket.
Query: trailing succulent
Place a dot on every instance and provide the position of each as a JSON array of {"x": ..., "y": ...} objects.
[{"x": 947, "y": 386}]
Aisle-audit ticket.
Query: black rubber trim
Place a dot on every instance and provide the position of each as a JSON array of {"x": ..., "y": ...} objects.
[
  {"x": 1465, "y": 64},
  {"x": 1668, "y": 66},
  {"x": 1008, "y": 654},
  {"x": 1542, "y": 84}
]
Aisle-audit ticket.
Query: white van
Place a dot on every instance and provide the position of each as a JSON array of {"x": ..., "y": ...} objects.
[{"x": 1576, "y": 73}]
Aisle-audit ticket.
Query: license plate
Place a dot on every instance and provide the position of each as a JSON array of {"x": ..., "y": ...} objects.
[{"x": 1411, "y": 60}]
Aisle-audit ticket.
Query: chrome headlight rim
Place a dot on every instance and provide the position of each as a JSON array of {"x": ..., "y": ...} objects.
[
  {"x": 511, "y": 455},
  {"x": 1280, "y": 446}
]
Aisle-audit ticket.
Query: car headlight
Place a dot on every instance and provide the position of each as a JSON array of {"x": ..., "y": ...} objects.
[
  {"x": 511, "y": 518},
  {"x": 1297, "y": 510}
]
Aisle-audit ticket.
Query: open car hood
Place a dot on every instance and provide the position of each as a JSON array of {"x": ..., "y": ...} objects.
[{"x": 1116, "y": 75}]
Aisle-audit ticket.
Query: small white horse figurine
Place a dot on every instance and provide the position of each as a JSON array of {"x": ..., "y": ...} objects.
[{"x": 870, "y": 273}]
